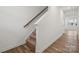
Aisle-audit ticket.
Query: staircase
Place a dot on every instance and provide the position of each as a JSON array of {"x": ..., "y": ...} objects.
[
  {"x": 28, "y": 47},
  {"x": 31, "y": 41}
]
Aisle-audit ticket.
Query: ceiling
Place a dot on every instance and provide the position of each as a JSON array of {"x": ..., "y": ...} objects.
[
  {"x": 70, "y": 11},
  {"x": 64, "y": 8}
]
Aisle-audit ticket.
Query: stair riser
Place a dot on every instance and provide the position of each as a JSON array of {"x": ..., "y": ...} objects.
[
  {"x": 33, "y": 37},
  {"x": 32, "y": 47}
]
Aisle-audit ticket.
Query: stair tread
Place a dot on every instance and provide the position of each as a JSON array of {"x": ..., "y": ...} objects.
[
  {"x": 31, "y": 41},
  {"x": 33, "y": 36},
  {"x": 27, "y": 47}
]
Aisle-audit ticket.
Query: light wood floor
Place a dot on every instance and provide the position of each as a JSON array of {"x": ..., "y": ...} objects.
[{"x": 67, "y": 43}]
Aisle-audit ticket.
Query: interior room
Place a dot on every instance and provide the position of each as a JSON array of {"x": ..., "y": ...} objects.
[{"x": 39, "y": 29}]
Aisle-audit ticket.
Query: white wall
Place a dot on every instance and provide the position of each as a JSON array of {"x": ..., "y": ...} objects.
[
  {"x": 12, "y": 21},
  {"x": 49, "y": 28},
  {"x": 78, "y": 24}
]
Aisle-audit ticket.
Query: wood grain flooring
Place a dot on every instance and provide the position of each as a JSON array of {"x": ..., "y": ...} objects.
[{"x": 67, "y": 43}]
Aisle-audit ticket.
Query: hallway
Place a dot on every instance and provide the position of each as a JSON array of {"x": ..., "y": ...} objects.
[{"x": 67, "y": 43}]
